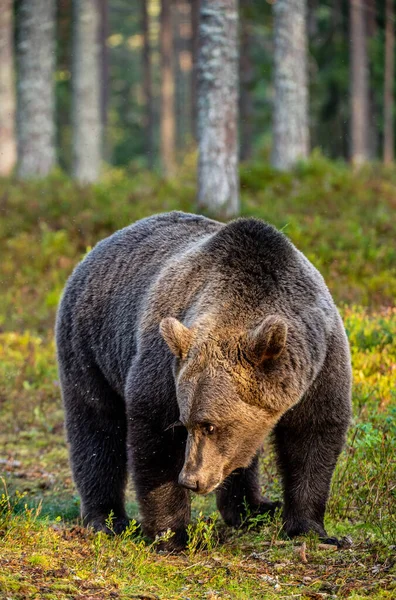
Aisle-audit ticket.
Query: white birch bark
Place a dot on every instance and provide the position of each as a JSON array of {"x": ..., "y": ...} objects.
[
  {"x": 36, "y": 63},
  {"x": 290, "y": 113},
  {"x": 7, "y": 89},
  {"x": 218, "y": 179},
  {"x": 86, "y": 115}
]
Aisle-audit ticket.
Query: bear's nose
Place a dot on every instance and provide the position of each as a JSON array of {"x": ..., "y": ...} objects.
[{"x": 188, "y": 481}]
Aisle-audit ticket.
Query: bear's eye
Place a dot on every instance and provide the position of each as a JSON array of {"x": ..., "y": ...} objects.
[{"x": 208, "y": 428}]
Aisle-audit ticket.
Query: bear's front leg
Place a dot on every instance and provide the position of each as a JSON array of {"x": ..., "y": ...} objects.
[
  {"x": 165, "y": 508},
  {"x": 156, "y": 458},
  {"x": 309, "y": 439},
  {"x": 240, "y": 497}
]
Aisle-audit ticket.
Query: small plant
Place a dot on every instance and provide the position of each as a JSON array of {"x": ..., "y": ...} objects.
[
  {"x": 110, "y": 522},
  {"x": 202, "y": 535},
  {"x": 9, "y": 506},
  {"x": 98, "y": 550},
  {"x": 132, "y": 530},
  {"x": 254, "y": 522}
]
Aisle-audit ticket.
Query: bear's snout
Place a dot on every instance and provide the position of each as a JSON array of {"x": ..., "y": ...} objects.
[
  {"x": 197, "y": 483},
  {"x": 188, "y": 481}
]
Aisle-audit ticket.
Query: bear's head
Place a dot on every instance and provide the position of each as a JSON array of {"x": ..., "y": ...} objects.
[{"x": 232, "y": 387}]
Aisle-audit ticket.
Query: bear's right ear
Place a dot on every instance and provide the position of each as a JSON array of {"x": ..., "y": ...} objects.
[
  {"x": 177, "y": 336},
  {"x": 267, "y": 341}
]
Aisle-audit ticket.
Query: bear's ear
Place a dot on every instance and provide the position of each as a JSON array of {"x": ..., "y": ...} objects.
[
  {"x": 177, "y": 336},
  {"x": 267, "y": 341}
]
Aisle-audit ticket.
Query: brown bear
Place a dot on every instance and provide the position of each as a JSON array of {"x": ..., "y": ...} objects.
[{"x": 182, "y": 343}]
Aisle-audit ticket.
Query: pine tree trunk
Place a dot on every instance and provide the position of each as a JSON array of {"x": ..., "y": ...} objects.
[
  {"x": 374, "y": 110},
  {"x": 86, "y": 113},
  {"x": 246, "y": 77},
  {"x": 104, "y": 60},
  {"x": 36, "y": 62},
  {"x": 389, "y": 139},
  {"x": 7, "y": 89},
  {"x": 177, "y": 20},
  {"x": 167, "y": 125},
  {"x": 290, "y": 114},
  {"x": 104, "y": 78},
  {"x": 360, "y": 118},
  {"x": 183, "y": 67},
  {"x": 218, "y": 180},
  {"x": 63, "y": 129},
  {"x": 147, "y": 86},
  {"x": 195, "y": 10}
]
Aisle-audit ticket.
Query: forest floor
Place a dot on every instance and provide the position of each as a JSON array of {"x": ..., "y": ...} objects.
[{"x": 344, "y": 222}]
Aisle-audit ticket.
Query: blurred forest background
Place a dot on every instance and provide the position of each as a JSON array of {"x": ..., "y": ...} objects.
[{"x": 117, "y": 81}]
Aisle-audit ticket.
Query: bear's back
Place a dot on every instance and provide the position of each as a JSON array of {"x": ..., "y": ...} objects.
[
  {"x": 98, "y": 311},
  {"x": 150, "y": 266}
]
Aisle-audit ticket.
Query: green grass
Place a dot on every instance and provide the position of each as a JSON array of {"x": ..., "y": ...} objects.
[{"x": 345, "y": 224}]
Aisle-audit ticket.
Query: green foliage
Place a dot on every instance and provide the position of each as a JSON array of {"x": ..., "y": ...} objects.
[
  {"x": 343, "y": 221},
  {"x": 202, "y": 535}
]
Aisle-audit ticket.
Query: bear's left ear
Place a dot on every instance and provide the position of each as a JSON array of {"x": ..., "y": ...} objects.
[
  {"x": 267, "y": 341},
  {"x": 177, "y": 336}
]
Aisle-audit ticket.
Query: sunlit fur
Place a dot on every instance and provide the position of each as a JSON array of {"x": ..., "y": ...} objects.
[{"x": 217, "y": 384}]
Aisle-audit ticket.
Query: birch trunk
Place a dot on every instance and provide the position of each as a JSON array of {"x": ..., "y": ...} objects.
[
  {"x": 167, "y": 125},
  {"x": 86, "y": 113},
  {"x": 389, "y": 136},
  {"x": 290, "y": 114},
  {"x": 35, "y": 112},
  {"x": 7, "y": 90},
  {"x": 218, "y": 180},
  {"x": 360, "y": 118}
]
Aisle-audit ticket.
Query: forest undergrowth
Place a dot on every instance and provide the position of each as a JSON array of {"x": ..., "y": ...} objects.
[{"x": 344, "y": 222}]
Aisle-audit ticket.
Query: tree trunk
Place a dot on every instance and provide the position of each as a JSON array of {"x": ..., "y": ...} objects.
[
  {"x": 374, "y": 109},
  {"x": 389, "y": 140},
  {"x": 195, "y": 10},
  {"x": 104, "y": 60},
  {"x": 36, "y": 62},
  {"x": 184, "y": 59},
  {"x": 218, "y": 180},
  {"x": 147, "y": 86},
  {"x": 86, "y": 114},
  {"x": 290, "y": 114},
  {"x": 360, "y": 118},
  {"x": 246, "y": 77},
  {"x": 7, "y": 90},
  {"x": 177, "y": 26},
  {"x": 104, "y": 78},
  {"x": 167, "y": 125},
  {"x": 63, "y": 65}
]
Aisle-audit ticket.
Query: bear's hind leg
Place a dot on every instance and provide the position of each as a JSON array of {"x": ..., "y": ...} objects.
[
  {"x": 96, "y": 432},
  {"x": 240, "y": 497}
]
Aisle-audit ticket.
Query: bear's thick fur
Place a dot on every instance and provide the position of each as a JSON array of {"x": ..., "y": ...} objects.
[{"x": 182, "y": 343}]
